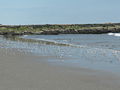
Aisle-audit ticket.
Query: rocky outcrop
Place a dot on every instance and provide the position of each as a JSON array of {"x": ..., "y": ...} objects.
[
  {"x": 56, "y": 32},
  {"x": 12, "y": 30}
]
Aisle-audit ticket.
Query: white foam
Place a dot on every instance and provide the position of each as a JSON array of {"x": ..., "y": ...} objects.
[
  {"x": 117, "y": 34},
  {"x": 114, "y": 34},
  {"x": 110, "y": 33}
]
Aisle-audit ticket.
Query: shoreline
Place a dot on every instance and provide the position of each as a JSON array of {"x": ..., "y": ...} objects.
[
  {"x": 55, "y": 29},
  {"x": 22, "y": 71},
  {"x": 58, "y": 59}
]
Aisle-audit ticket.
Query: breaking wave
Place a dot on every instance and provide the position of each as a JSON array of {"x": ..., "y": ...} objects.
[{"x": 114, "y": 34}]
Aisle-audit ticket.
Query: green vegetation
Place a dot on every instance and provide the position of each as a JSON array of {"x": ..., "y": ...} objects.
[{"x": 59, "y": 29}]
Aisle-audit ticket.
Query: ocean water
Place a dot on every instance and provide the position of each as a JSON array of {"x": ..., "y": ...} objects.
[{"x": 93, "y": 51}]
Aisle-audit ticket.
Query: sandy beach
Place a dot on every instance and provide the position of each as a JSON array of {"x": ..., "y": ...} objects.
[
  {"x": 59, "y": 45},
  {"x": 19, "y": 71}
]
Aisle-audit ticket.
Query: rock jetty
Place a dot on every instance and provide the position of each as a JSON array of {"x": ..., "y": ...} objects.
[{"x": 55, "y": 29}]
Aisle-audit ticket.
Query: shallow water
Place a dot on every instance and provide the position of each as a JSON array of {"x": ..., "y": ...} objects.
[{"x": 94, "y": 51}]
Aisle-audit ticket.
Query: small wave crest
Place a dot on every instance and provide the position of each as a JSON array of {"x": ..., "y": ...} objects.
[
  {"x": 52, "y": 42},
  {"x": 57, "y": 43},
  {"x": 114, "y": 34}
]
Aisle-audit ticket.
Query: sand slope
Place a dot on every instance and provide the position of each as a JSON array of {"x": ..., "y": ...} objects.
[{"x": 22, "y": 72}]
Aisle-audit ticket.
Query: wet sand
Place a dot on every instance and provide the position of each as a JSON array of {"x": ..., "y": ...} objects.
[{"x": 19, "y": 71}]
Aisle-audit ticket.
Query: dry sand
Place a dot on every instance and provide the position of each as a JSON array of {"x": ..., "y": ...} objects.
[{"x": 23, "y": 72}]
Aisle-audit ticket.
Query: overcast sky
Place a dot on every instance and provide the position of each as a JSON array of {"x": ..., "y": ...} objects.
[{"x": 59, "y": 11}]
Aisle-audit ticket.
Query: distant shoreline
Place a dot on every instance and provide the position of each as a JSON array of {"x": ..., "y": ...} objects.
[{"x": 55, "y": 29}]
